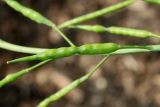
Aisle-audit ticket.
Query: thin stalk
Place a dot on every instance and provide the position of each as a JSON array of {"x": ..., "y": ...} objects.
[
  {"x": 157, "y": 36},
  {"x": 63, "y": 35},
  {"x": 151, "y": 48},
  {"x": 53, "y": 98},
  {"x": 136, "y": 49},
  {"x": 96, "y": 14},
  {"x": 128, "y": 51},
  {"x": 14, "y": 76},
  {"x": 18, "y": 48}
]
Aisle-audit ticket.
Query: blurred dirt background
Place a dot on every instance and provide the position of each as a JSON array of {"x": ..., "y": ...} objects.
[{"x": 123, "y": 81}]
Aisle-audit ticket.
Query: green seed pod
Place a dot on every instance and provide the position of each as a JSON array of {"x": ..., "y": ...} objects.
[
  {"x": 153, "y": 1},
  {"x": 14, "y": 76},
  {"x": 116, "y": 30},
  {"x": 129, "y": 32},
  {"x": 93, "y": 49},
  {"x": 96, "y": 14},
  {"x": 89, "y": 49},
  {"x": 33, "y": 15}
]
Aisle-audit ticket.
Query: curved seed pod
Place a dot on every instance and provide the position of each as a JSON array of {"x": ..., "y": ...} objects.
[
  {"x": 153, "y": 1},
  {"x": 89, "y": 49},
  {"x": 96, "y": 14},
  {"x": 98, "y": 48},
  {"x": 33, "y": 15}
]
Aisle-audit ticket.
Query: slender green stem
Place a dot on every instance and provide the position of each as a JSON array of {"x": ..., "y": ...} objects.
[
  {"x": 62, "y": 34},
  {"x": 150, "y": 48},
  {"x": 97, "y": 66},
  {"x": 18, "y": 48},
  {"x": 157, "y": 36},
  {"x": 96, "y": 14},
  {"x": 53, "y": 98},
  {"x": 136, "y": 49},
  {"x": 128, "y": 51},
  {"x": 13, "y": 77}
]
